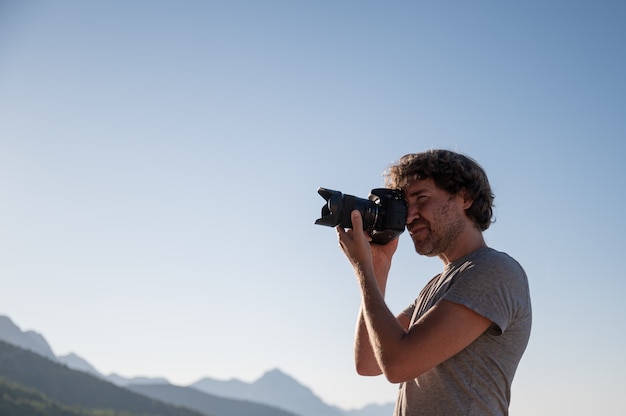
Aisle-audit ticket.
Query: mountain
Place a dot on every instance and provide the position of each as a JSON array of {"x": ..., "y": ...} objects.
[
  {"x": 29, "y": 340},
  {"x": 275, "y": 388},
  {"x": 61, "y": 389},
  {"x": 75, "y": 362},
  {"x": 75, "y": 389},
  {"x": 35, "y": 342},
  {"x": 200, "y": 401}
]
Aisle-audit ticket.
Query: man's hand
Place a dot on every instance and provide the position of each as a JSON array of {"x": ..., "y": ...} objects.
[{"x": 355, "y": 243}]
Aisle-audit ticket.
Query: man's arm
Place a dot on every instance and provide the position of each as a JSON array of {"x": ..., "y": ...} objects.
[
  {"x": 445, "y": 330},
  {"x": 364, "y": 356},
  {"x": 403, "y": 354}
]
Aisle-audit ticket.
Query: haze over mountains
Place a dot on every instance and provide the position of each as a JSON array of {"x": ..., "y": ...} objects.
[{"x": 273, "y": 394}]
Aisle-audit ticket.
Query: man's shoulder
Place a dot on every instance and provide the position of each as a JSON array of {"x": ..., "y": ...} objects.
[{"x": 490, "y": 255}]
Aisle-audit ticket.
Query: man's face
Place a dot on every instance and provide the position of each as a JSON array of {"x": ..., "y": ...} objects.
[{"x": 435, "y": 218}]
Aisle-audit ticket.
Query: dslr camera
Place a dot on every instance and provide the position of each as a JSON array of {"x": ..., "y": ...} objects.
[{"x": 384, "y": 212}]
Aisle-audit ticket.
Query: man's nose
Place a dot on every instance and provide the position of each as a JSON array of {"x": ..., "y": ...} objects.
[{"x": 412, "y": 214}]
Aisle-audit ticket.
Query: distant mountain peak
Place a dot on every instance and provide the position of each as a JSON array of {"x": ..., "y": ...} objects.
[
  {"x": 75, "y": 362},
  {"x": 276, "y": 374},
  {"x": 275, "y": 370},
  {"x": 28, "y": 340}
]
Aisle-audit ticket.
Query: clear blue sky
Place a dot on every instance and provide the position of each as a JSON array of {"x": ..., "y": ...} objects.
[{"x": 159, "y": 164}]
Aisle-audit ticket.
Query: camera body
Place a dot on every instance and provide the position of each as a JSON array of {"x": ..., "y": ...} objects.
[{"x": 384, "y": 212}]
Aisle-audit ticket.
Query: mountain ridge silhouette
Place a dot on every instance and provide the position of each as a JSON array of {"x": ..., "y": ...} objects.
[{"x": 274, "y": 388}]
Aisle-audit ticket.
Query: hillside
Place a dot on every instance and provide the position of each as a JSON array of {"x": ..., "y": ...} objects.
[
  {"x": 73, "y": 388},
  {"x": 18, "y": 401}
]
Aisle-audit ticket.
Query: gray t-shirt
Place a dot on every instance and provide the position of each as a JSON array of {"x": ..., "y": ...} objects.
[{"x": 477, "y": 380}]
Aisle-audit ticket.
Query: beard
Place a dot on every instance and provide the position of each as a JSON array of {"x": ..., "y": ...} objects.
[{"x": 440, "y": 234}]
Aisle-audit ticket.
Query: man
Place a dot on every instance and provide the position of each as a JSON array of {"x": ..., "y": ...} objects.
[{"x": 456, "y": 348}]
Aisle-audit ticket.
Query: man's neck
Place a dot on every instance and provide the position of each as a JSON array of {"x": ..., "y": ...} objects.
[{"x": 469, "y": 242}]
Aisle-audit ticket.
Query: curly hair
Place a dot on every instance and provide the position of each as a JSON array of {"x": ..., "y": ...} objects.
[{"x": 454, "y": 173}]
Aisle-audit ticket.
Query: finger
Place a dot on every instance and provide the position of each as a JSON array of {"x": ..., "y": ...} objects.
[
  {"x": 343, "y": 235},
  {"x": 357, "y": 219},
  {"x": 357, "y": 225}
]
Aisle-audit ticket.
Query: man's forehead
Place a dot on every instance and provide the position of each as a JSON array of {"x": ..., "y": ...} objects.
[{"x": 419, "y": 185}]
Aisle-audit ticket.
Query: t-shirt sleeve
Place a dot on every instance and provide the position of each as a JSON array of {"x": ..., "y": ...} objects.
[
  {"x": 492, "y": 287},
  {"x": 409, "y": 310}
]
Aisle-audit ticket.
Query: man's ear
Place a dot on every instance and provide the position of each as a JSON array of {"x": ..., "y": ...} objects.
[{"x": 467, "y": 200}]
